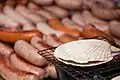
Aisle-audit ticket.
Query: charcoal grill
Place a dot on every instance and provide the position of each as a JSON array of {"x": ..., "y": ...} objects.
[{"x": 106, "y": 71}]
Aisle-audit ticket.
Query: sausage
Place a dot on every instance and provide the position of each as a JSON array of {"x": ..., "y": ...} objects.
[
  {"x": 38, "y": 43},
  {"x": 117, "y": 40},
  {"x": 9, "y": 11},
  {"x": 11, "y": 3},
  {"x": 115, "y": 28},
  {"x": 107, "y": 13},
  {"x": 51, "y": 71},
  {"x": 69, "y": 4},
  {"x": 34, "y": 8},
  {"x": 106, "y": 3},
  {"x": 70, "y": 24},
  {"x": 11, "y": 74},
  {"x": 52, "y": 40},
  {"x": 12, "y": 36},
  {"x": 57, "y": 11},
  {"x": 46, "y": 29},
  {"x": 7, "y": 22},
  {"x": 78, "y": 19},
  {"x": 43, "y": 2},
  {"x": 34, "y": 18},
  {"x": 25, "y": 66},
  {"x": 29, "y": 53},
  {"x": 10, "y": 28},
  {"x": 90, "y": 31},
  {"x": 89, "y": 18},
  {"x": 23, "y": 2},
  {"x": 109, "y": 4},
  {"x": 67, "y": 38},
  {"x": 5, "y": 50},
  {"x": 57, "y": 25},
  {"x": 28, "y": 27}
]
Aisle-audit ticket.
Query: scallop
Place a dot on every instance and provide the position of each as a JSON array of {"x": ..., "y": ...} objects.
[{"x": 84, "y": 51}]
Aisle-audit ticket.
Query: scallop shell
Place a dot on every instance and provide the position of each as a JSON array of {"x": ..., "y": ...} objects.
[
  {"x": 116, "y": 78},
  {"x": 84, "y": 51}
]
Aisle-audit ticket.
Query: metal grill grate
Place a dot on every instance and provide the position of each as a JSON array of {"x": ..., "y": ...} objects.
[{"x": 105, "y": 71}]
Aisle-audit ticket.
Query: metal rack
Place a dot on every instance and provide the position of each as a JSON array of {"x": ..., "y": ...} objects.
[{"x": 105, "y": 71}]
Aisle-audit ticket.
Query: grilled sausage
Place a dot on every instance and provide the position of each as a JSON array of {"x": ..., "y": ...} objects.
[
  {"x": 34, "y": 18},
  {"x": 52, "y": 40},
  {"x": 69, "y": 4},
  {"x": 28, "y": 27},
  {"x": 51, "y": 71},
  {"x": 44, "y": 13},
  {"x": 12, "y": 36},
  {"x": 43, "y": 2},
  {"x": 57, "y": 25},
  {"x": 70, "y": 24},
  {"x": 29, "y": 53},
  {"x": 38, "y": 43},
  {"x": 25, "y": 66},
  {"x": 46, "y": 29},
  {"x": 9, "y": 11},
  {"x": 115, "y": 28},
  {"x": 7, "y": 22},
  {"x": 57, "y": 11},
  {"x": 9, "y": 73},
  {"x": 5, "y": 50}
]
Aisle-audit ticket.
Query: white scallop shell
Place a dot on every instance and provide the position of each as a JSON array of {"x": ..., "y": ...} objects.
[
  {"x": 84, "y": 51},
  {"x": 116, "y": 78}
]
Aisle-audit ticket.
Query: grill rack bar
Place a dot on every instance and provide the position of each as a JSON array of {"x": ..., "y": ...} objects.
[{"x": 79, "y": 74}]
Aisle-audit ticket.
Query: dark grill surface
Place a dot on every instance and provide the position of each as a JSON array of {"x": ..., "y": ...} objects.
[{"x": 102, "y": 72}]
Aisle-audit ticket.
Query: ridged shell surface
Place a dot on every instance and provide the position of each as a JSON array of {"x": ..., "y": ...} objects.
[{"x": 84, "y": 51}]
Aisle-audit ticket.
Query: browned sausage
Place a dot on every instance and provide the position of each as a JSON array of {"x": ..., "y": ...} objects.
[
  {"x": 90, "y": 31},
  {"x": 67, "y": 38},
  {"x": 12, "y": 36},
  {"x": 57, "y": 25}
]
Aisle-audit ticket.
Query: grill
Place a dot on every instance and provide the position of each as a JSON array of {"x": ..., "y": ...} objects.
[{"x": 106, "y": 71}]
